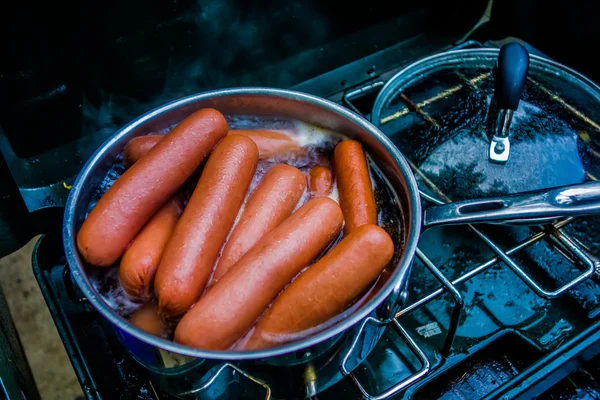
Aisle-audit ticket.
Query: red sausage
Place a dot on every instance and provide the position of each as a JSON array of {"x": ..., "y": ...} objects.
[
  {"x": 229, "y": 308},
  {"x": 145, "y": 187},
  {"x": 140, "y": 261},
  {"x": 325, "y": 289},
  {"x": 192, "y": 250},
  {"x": 138, "y": 146},
  {"x": 354, "y": 185},
  {"x": 269, "y": 205},
  {"x": 269, "y": 143},
  {"x": 147, "y": 319},
  {"x": 321, "y": 181}
]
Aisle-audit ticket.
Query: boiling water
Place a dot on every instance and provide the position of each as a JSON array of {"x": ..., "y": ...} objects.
[{"x": 317, "y": 149}]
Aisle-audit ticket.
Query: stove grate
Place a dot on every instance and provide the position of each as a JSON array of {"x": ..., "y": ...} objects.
[{"x": 568, "y": 247}]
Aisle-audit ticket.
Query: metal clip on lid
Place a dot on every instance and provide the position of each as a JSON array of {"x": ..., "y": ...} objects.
[{"x": 513, "y": 64}]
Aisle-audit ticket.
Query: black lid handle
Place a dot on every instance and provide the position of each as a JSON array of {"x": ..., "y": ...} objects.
[{"x": 513, "y": 64}]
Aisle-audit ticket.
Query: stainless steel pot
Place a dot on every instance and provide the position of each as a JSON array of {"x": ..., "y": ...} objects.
[{"x": 304, "y": 368}]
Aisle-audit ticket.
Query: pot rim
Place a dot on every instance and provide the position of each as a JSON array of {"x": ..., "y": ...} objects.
[
  {"x": 425, "y": 64},
  {"x": 398, "y": 278}
]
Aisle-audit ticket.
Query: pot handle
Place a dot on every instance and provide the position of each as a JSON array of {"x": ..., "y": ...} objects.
[
  {"x": 529, "y": 208},
  {"x": 389, "y": 307},
  {"x": 512, "y": 68},
  {"x": 511, "y": 72}
]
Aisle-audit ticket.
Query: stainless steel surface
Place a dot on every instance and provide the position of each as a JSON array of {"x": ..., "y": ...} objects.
[
  {"x": 325, "y": 350},
  {"x": 348, "y": 96},
  {"x": 209, "y": 385},
  {"x": 500, "y": 143},
  {"x": 527, "y": 208}
]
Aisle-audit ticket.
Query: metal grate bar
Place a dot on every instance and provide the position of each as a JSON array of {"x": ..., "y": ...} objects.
[
  {"x": 546, "y": 294},
  {"x": 348, "y": 96},
  {"x": 480, "y": 268},
  {"x": 446, "y": 93},
  {"x": 219, "y": 371},
  {"x": 569, "y": 107},
  {"x": 404, "y": 383},
  {"x": 458, "y": 300}
]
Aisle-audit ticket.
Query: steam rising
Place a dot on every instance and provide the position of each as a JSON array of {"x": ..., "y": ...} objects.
[{"x": 213, "y": 45}]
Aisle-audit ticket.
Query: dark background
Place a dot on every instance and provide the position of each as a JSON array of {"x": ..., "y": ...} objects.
[{"x": 73, "y": 73}]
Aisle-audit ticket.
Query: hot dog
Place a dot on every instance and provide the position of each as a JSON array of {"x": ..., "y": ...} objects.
[
  {"x": 354, "y": 185},
  {"x": 326, "y": 288},
  {"x": 192, "y": 250},
  {"x": 269, "y": 143},
  {"x": 229, "y": 308},
  {"x": 138, "y": 146},
  {"x": 140, "y": 261},
  {"x": 147, "y": 319},
  {"x": 145, "y": 187},
  {"x": 269, "y": 205},
  {"x": 321, "y": 181}
]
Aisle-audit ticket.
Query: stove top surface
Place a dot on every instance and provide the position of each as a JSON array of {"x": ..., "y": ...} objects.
[{"x": 472, "y": 327}]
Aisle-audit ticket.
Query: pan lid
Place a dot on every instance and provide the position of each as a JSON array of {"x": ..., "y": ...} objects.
[{"x": 485, "y": 122}]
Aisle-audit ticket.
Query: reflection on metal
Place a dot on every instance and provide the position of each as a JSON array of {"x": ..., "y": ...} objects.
[
  {"x": 415, "y": 107},
  {"x": 466, "y": 81},
  {"x": 500, "y": 144},
  {"x": 357, "y": 92},
  {"x": 592, "y": 149},
  {"x": 310, "y": 381},
  {"x": 222, "y": 368},
  {"x": 428, "y": 181},
  {"x": 403, "y": 384},
  {"x": 458, "y": 300},
  {"x": 569, "y": 107},
  {"x": 364, "y": 89},
  {"x": 529, "y": 208},
  {"x": 156, "y": 396},
  {"x": 439, "y": 96}
]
